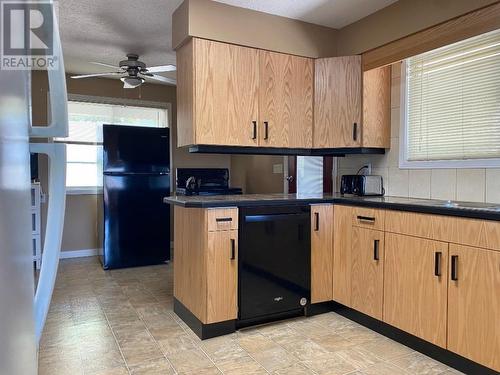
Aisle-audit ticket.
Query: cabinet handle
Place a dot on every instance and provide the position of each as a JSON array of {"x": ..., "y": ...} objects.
[
  {"x": 367, "y": 219},
  {"x": 266, "y": 130},
  {"x": 454, "y": 267},
  {"x": 316, "y": 221},
  {"x": 254, "y": 136},
  {"x": 355, "y": 131},
  {"x": 438, "y": 255},
  {"x": 219, "y": 219},
  {"x": 376, "y": 244},
  {"x": 233, "y": 249}
]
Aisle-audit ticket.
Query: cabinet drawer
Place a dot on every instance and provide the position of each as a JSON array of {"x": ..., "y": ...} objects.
[
  {"x": 222, "y": 219},
  {"x": 370, "y": 218}
]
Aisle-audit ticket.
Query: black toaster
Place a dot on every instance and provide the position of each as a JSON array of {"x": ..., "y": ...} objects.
[{"x": 362, "y": 185}]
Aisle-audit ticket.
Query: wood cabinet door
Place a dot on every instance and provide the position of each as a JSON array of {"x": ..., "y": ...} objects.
[
  {"x": 342, "y": 228},
  {"x": 416, "y": 286},
  {"x": 285, "y": 100},
  {"x": 222, "y": 279},
  {"x": 376, "y": 126},
  {"x": 474, "y": 304},
  {"x": 337, "y": 102},
  {"x": 321, "y": 252},
  {"x": 226, "y": 94},
  {"x": 367, "y": 271}
]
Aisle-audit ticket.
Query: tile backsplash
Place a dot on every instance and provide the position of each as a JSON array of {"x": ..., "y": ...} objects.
[{"x": 477, "y": 185}]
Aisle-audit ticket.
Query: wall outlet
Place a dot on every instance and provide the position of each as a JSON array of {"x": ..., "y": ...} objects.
[{"x": 278, "y": 168}]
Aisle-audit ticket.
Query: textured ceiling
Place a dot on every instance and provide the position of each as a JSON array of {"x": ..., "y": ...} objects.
[
  {"x": 332, "y": 13},
  {"x": 106, "y": 30}
]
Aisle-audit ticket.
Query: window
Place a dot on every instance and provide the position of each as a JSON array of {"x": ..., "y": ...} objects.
[
  {"x": 451, "y": 105},
  {"x": 84, "y": 143}
]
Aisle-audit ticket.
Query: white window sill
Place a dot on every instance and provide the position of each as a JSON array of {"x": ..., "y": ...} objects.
[{"x": 83, "y": 190}]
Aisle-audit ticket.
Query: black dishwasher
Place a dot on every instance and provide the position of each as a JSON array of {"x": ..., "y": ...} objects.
[{"x": 274, "y": 266}]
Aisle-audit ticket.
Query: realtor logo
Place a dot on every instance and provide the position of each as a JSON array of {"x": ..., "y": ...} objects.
[{"x": 27, "y": 35}]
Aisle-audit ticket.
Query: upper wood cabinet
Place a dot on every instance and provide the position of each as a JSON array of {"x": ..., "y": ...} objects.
[
  {"x": 338, "y": 102},
  {"x": 230, "y": 95},
  {"x": 321, "y": 252},
  {"x": 285, "y": 100},
  {"x": 415, "y": 286},
  {"x": 217, "y": 88},
  {"x": 351, "y": 108},
  {"x": 474, "y": 304}
]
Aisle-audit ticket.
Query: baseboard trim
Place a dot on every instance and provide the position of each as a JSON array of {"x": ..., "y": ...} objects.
[
  {"x": 440, "y": 354},
  {"x": 69, "y": 254}
]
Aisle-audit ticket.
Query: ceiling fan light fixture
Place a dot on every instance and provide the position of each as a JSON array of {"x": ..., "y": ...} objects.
[{"x": 132, "y": 82}]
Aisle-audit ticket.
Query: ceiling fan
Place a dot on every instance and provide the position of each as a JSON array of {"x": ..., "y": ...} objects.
[{"x": 133, "y": 72}]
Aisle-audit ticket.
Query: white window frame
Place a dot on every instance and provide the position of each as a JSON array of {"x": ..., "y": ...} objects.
[
  {"x": 404, "y": 163},
  {"x": 98, "y": 190}
]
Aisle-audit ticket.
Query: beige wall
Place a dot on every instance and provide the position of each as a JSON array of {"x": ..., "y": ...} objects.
[
  {"x": 401, "y": 19},
  {"x": 225, "y": 23},
  {"x": 478, "y": 185},
  {"x": 80, "y": 226},
  {"x": 254, "y": 173}
]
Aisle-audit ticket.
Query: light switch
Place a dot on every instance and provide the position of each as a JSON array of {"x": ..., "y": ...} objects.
[{"x": 278, "y": 168}]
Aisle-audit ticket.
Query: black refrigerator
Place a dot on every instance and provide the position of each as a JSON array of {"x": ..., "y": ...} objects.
[{"x": 136, "y": 173}]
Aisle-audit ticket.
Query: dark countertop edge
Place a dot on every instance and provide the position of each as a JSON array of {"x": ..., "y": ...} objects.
[{"x": 436, "y": 210}]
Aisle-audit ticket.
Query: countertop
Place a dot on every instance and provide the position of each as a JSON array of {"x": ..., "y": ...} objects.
[{"x": 487, "y": 211}]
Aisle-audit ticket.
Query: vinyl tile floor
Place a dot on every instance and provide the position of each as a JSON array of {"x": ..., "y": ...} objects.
[{"x": 121, "y": 323}]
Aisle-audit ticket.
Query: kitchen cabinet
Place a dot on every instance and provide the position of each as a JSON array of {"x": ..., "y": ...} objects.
[
  {"x": 337, "y": 102},
  {"x": 230, "y": 95},
  {"x": 285, "y": 100},
  {"x": 367, "y": 271},
  {"x": 222, "y": 280},
  {"x": 342, "y": 229},
  {"x": 321, "y": 252},
  {"x": 415, "y": 286},
  {"x": 351, "y": 108},
  {"x": 206, "y": 262},
  {"x": 217, "y": 92},
  {"x": 474, "y": 304}
]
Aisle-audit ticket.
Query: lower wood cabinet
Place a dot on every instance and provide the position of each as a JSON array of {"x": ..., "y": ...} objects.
[
  {"x": 222, "y": 276},
  {"x": 321, "y": 252},
  {"x": 415, "y": 286},
  {"x": 474, "y": 304},
  {"x": 367, "y": 271},
  {"x": 342, "y": 229}
]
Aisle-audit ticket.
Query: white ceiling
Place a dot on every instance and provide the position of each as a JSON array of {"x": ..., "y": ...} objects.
[
  {"x": 332, "y": 13},
  {"x": 106, "y": 30}
]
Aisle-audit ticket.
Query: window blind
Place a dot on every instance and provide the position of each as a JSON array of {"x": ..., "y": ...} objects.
[
  {"x": 86, "y": 119},
  {"x": 453, "y": 101}
]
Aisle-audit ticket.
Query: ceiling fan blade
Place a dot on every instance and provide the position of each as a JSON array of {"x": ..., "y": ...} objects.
[
  {"x": 161, "y": 68},
  {"x": 103, "y": 64},
  {"x": 128, "y": 86},
  {"x": 96, "y": 75},
  {"x": 160, "y": 78}
]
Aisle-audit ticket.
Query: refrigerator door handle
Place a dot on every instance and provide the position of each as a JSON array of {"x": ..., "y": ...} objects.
[
  {"x": 58, "y": 97},
  {"x": 53, "y": 230}
]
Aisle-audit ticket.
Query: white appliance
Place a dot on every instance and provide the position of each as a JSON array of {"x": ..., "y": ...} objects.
[
  {"x": 309, "y": 175},
  {"x": 22, "y": 316}
]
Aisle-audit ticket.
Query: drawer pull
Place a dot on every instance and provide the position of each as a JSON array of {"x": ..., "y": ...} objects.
[
  {"x": 454, "y": 267},
  {"x": 233, "y": 249},
  {"x": 266, "y": 130},
  {"x": 438, "y": 255},
  {"x": 254, "y": 136},
  {"x": 366, "y": 219},
  {"x": 376, "y": 244},
  {"x": 355, "y": 132},
  {"x": 316, "y": 221},
  {"x": 223, "y": 219}
]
